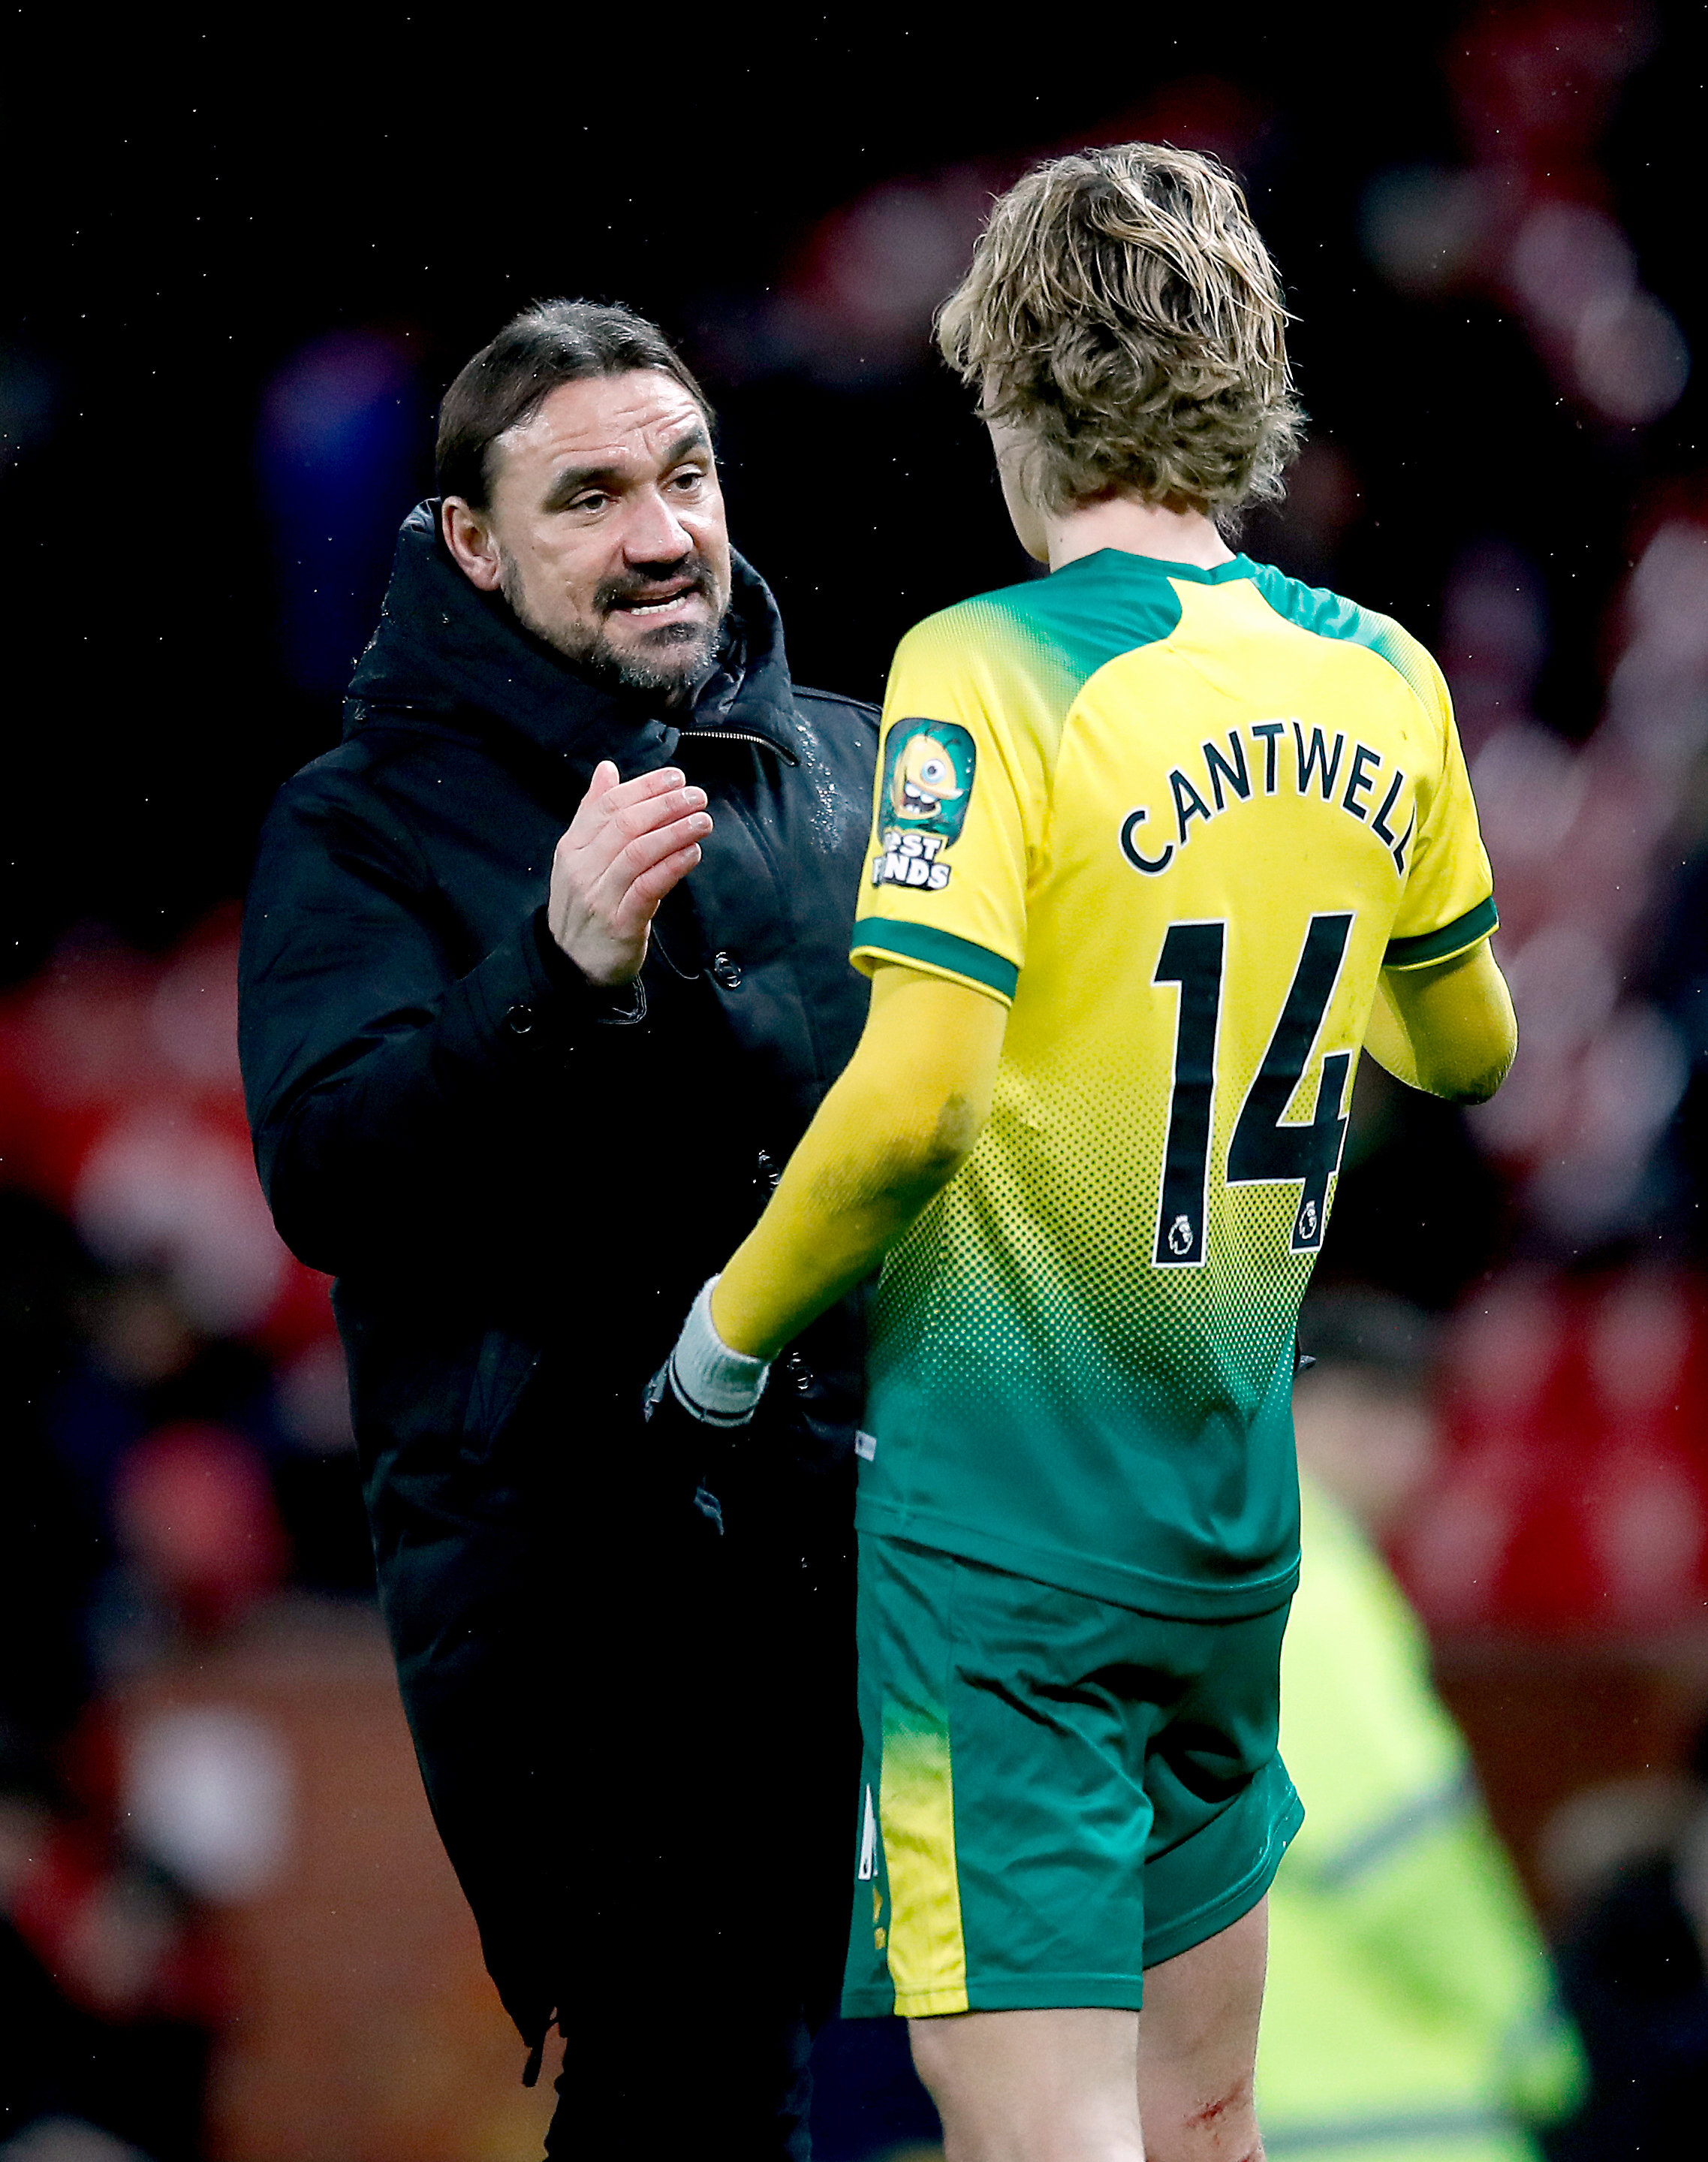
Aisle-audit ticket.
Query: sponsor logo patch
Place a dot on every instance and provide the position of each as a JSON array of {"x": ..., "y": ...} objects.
[{"x": 927, "y": 769}]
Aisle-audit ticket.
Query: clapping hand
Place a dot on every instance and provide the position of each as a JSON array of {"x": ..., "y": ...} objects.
[{"x": 629, "y": 842}]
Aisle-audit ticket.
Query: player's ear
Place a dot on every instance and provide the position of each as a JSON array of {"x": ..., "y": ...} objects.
[{"x": 468, "y": 535}]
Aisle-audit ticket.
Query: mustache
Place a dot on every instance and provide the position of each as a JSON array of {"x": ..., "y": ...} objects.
[{"x": 690, "y": 573}]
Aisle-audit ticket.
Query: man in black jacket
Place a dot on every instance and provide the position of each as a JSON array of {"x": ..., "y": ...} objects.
[{"x": 544, "y": 972}]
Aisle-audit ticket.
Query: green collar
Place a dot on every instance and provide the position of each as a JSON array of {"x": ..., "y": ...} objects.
[{"x": 1122, "y": 562}]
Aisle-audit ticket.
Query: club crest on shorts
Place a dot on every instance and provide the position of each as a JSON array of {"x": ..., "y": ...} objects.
[{"x": 927, "y": 785}]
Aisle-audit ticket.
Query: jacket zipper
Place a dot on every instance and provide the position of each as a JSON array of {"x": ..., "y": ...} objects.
[{"x": 738, "y": 735}]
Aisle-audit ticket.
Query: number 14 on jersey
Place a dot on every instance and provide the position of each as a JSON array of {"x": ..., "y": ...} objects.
[{"x": 1263, "y": 1150}]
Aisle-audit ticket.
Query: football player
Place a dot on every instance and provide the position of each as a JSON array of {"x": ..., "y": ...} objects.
[{"x": 1162, "y": 840}]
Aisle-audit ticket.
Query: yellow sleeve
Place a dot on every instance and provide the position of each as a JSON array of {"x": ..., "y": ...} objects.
[
  {"x": 900, "y": 1121},
  {"x": 1448, "y": 1029},
  {"x": 959, "y": 810},
  {"x": 1449, "y": 900}
]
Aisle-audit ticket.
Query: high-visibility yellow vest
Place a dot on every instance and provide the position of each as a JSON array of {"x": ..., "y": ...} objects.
[{"x": 1410, "y": 2014}]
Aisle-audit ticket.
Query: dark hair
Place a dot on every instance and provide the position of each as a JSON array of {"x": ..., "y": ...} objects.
[{"x": 553, "y": 342}]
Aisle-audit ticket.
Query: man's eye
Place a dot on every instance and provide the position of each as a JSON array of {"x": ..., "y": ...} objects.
[
  {"x": 594, "y": 499},
  {"x": 688, "y": 481}
]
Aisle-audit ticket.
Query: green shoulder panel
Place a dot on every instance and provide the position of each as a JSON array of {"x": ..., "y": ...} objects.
[
  {"x": 1314, "y": 608},
  {"x": 1061, "y": 630},
  {"x": 1095, "y": 609}
]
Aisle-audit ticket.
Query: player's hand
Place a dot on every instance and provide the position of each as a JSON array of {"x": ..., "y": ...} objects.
[
  {"x": 703, "y": 1390},
  {"x": 628, "y": 844},
  {"x": 717, "y": 1387}
]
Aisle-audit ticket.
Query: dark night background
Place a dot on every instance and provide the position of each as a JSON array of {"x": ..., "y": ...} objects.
[
  {"x": 243, "y": 257},
  {"x": 185, "y": 222}
]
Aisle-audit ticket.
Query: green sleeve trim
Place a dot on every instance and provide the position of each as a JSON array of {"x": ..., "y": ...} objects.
[
  {"x": 1441, "y": 945},
  {"x": 932, "y": 948}
]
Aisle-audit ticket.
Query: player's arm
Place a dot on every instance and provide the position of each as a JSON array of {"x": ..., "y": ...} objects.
[
  {"x": 896, "y": 1127},
  {"x": 1448, "y": 1029},
  {"x": 945, "y": 955}
]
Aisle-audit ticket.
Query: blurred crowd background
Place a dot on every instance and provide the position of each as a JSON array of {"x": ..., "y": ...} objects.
[{"x": 238, "y": 282}]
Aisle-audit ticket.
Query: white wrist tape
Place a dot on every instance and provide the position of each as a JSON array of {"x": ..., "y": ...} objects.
[{"x": 718, "y": 1385}]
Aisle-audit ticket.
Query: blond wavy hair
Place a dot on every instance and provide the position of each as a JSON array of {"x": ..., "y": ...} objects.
[{"x": 1123, "y": 313}]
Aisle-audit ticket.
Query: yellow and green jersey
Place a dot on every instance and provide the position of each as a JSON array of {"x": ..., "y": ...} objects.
[{"x": 1179, "y": 819}]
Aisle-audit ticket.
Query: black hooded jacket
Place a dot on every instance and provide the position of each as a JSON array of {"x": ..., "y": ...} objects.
[{"x": 502, "y": 1165}]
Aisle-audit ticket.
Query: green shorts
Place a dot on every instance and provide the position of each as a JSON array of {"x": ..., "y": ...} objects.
[{"x": 1056, "y": 1793}]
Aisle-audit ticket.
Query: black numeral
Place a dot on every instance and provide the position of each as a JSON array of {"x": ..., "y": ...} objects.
[
  {"x": 1262, "y": 1148},
  {"x": 1192, "y": 957}
]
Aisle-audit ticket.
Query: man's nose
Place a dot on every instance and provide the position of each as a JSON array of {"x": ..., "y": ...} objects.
[{"x": 652, "y": 533}]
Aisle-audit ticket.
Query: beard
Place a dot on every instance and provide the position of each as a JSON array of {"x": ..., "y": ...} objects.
[{"x": 670, "y": 658}]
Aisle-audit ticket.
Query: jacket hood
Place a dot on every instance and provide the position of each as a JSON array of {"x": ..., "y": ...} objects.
[{"x": 443, "y": 647}]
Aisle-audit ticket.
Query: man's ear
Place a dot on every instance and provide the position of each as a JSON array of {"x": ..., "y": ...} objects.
[{"x": 469, "y": 538}]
